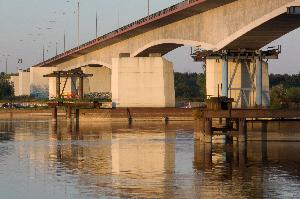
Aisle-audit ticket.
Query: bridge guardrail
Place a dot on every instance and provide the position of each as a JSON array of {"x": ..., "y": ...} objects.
[{"x": 152, "y": 17}]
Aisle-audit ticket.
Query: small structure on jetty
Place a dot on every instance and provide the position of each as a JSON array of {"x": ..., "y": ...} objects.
[
  {"x": 73, "y": 75},
  {"x": 232, "y": 122}
]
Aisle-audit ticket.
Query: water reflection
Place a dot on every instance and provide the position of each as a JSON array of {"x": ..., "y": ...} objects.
[
  {"x": 134, "y": 160},
  {"x": 145, "y": 160}
]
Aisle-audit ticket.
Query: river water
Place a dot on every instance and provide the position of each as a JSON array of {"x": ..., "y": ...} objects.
[{"x": 145, "y": 160}]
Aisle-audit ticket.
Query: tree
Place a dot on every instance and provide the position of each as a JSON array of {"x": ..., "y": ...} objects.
[
  {"x": 286, "y": 80},
  {"x": 6, "y": 87},
  {"x": 278, "y": 94},
  {"x": 293, "y": 93},
  {"x": 190, "y": 85}
]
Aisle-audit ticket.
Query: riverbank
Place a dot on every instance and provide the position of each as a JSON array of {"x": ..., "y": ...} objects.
[{"x": 119, "y": 114}]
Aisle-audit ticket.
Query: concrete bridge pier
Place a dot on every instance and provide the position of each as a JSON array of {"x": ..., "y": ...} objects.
[
  {"x": 243, "y": 76},
  {"x": 142, "y": 82}
]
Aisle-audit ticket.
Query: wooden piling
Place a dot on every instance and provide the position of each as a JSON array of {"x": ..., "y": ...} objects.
[
  {"x": 54, "y": 114},
  {"x": 199, "y": 133},
  {"x": 69, "y": 112},
  {"x": 242, "y": 154},
  {"x": 242, "y": 130},
  {"x": 208, "y": 130},
  {"x": 77, "y": 119}
]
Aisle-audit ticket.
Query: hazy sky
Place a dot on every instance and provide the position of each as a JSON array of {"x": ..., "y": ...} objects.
[{"x": 27, "y": 25}]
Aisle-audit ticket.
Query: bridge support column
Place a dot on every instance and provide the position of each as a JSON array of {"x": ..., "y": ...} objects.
[
  {"x": 259, "y": 81},
  {"x": 142, "y": 82},
  {"x": 225, "y": 76}
]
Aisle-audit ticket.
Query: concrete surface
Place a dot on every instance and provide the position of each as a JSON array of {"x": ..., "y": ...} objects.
[
  {"x": 143, "y": 82},
  {"x": 241, "y": 80}
]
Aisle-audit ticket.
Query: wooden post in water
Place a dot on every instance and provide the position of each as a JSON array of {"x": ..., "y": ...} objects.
[
  {"x": 80, "y": 89},
  {"x": 242, "y": 130},
  {"x": 208, "y": 130},
  {"x": 77, "y": 119},
  {"x": 69, "y": 112},
  {"x": 242, "y": 155},
  {"x": 199, "y": 129},
  {"x": 208, "y": 155},
  {"x": 54, "y": 114},
  {"x": 58, "y": 86}
]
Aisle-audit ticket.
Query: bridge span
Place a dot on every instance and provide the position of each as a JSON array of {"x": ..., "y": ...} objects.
[{"x": 128, "y": 61}]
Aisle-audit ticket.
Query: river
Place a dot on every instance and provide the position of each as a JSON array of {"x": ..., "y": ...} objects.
[{"x": 39, "y": 159}]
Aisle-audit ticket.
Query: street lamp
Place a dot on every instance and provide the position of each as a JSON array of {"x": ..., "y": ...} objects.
[
  {"x": 148, "y": 8},
  {"x": 6, "y": 60}
]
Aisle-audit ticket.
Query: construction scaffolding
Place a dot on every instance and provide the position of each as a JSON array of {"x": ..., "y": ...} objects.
[
  {"x": 73, "y": 75},
  {"x": 251, "y": 66}
]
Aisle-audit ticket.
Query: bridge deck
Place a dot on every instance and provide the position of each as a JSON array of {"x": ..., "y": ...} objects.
[{"x": 166, "y": 16}]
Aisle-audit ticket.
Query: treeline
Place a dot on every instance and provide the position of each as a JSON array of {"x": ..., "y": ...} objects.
[
  {"x": 286, "y": 80},
  {"x": 6, "y": 88},
  {"x": 190, "y": 86},
  {"x": 284, "y": 89}
]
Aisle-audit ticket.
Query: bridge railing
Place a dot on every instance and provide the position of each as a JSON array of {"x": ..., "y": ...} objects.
[{"x": 133, "y": 25}]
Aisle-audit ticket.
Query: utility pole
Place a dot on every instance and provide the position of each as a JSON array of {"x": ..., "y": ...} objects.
[
  {"x": 78, "y": 25},
  {"x": 118, "y": 13},
  {"x": 148, "y": 8},
  {"x": 43, "y": 53},
  {"x": 6, "y": 62},
  {"x": 64, "y": 42},
  {"x": 6, "y": 65},
  {"x": 56, "y": 48},
  {"x": 96, "y": 25}
]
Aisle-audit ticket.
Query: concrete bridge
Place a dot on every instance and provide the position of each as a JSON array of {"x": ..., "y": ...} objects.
[{"x": 128, "y": 62}]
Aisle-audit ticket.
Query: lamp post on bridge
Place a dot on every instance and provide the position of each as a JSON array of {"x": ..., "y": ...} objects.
[
  {"x": 148, "y": 8},
  {"x": 78, "y": 28},
  {"x": 6, "y": 62}
]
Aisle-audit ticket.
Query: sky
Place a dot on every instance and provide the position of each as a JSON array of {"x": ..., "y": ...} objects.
[{"x": 28, "y": 25}]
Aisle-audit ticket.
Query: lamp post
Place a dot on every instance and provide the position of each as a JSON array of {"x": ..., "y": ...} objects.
[
  {"x": 78, "y": 9},
  {"x": 6, "y": 62},
  {"x": 148, "y": 8},
  {"x": 96, "y": 25},
  {"x": 64, "y": 42},
  {"x": 55, "y": 48}
]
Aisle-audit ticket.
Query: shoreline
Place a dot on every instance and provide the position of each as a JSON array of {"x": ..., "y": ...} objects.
[{"x": 119, "y": 114}]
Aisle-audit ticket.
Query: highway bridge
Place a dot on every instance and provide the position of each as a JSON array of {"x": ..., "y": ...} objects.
[{"x": 128, "y": 62}]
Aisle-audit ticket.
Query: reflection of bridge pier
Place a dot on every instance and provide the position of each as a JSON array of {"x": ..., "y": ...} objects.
[
  {"x": 238, "y": 152},
  {"x": 131, "y": 153}
]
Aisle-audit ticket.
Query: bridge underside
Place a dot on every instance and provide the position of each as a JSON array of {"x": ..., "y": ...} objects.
[
  {"x": 266, "y": 33},
  {"x": 161, "y": 49}
]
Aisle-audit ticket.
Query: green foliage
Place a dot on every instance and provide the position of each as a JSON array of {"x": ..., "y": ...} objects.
[
  {"x": 6, "y": 88},
  {"x": 278, "y": 94},
  {"x": 190, "y": 85},
  {"x": 293, "y": 93},
  {"x": 284, "y": 88},
  {"x": 286, "y": 80}
]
